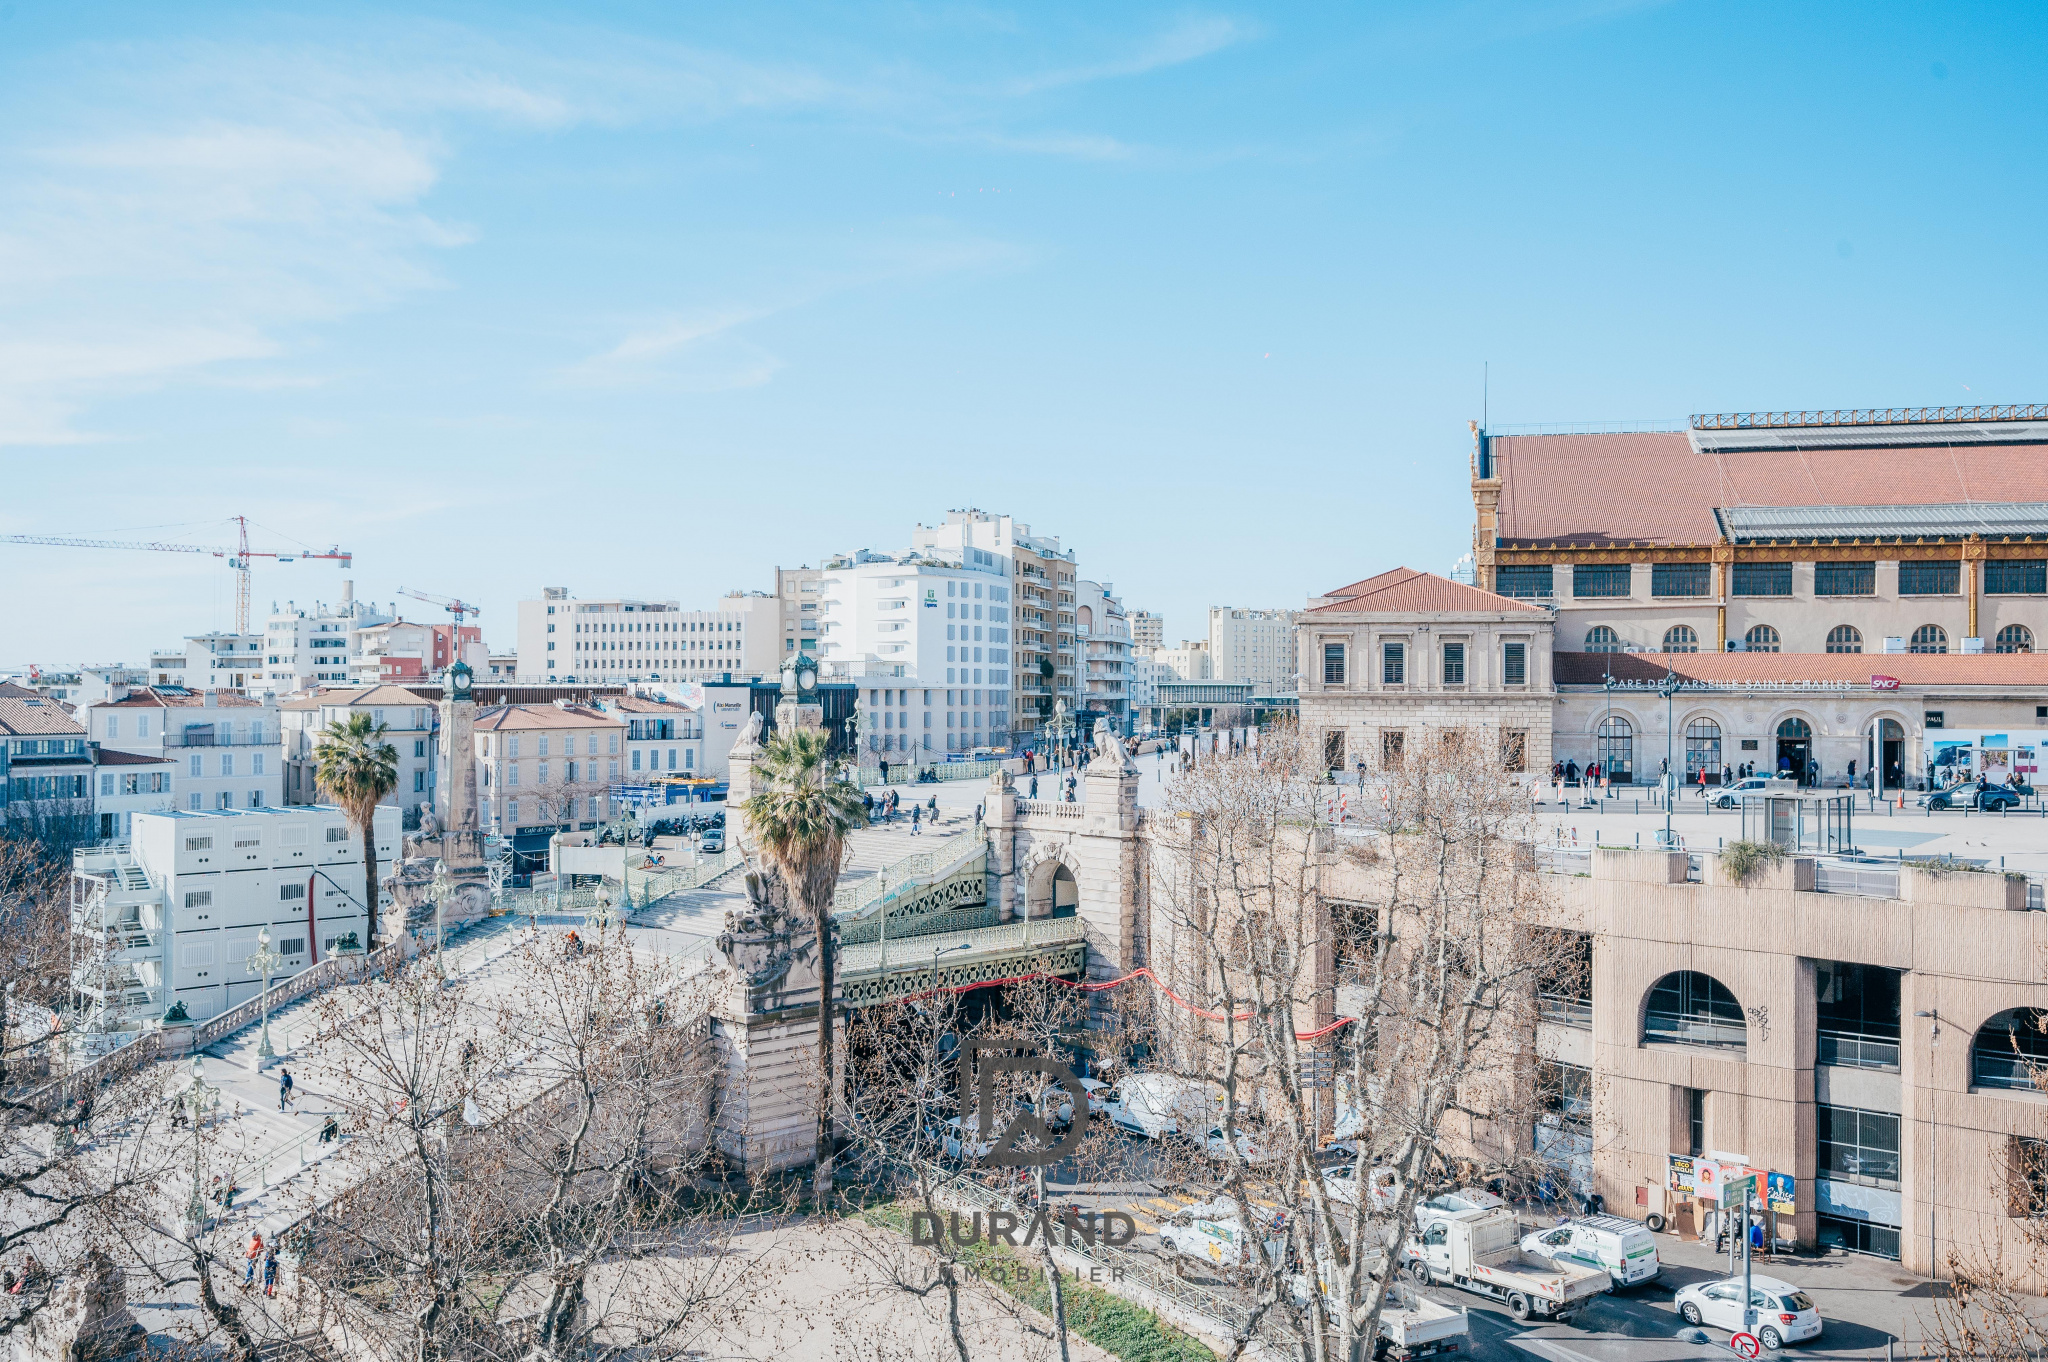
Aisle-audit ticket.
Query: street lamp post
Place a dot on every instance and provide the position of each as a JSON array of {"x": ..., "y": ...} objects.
[
  {"x": 199, "y": 1098},
  {"x": 263, "y": 961},
  {"x": 1668, "y": 688},
  {"x": 1933, "y": 1168},
  {"x": 938, "y": 951},
  {"x": 444, "y": 884}
]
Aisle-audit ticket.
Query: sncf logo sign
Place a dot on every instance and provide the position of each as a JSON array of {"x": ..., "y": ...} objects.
[{"x": 997, "y": 1057}]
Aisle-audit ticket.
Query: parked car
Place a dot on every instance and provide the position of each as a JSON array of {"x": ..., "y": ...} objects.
[
  {"x": 1217, "y": 1146},
  {"x": 1623, "y": 1248},
  {"x": 1728, "y": 796},
  {"x": 712, "y": 843},
  {"x": 963, "y": 1141},
  {"x": 1339, "y": 1171},
  {"x": 1984, "y": 799},
  {"x": 1785, "y": 1314},
  {"x": 1445, "y": 1205}
]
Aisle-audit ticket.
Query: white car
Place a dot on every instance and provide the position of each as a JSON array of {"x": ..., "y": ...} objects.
[
  {"x": 1728, "y": 796},
  {"x": 1447, "y": 1204},
  {"x": 1784, "y": 1313},
  {"x": 1217, "y": 1147},
  {"x": 1340, "y": 1182},
  {"x": 964, "y": 1142}
]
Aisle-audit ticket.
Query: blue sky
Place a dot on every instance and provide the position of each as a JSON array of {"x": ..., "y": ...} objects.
[{"x": 650, "y": 298}]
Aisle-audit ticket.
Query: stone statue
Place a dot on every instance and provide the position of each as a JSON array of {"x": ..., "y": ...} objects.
[
  {"x": 755, "y": 725},
  {"x": 430, "y": 828},
  {"x": 1109, "y": 747},
  {"x": 756, "y": 940}
]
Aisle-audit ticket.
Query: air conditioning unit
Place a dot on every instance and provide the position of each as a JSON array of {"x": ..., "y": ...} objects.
[{"x": 1894, "y": 644}]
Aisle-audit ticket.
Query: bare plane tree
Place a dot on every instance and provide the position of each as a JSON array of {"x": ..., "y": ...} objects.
[{"x": 1434, "y": 909}]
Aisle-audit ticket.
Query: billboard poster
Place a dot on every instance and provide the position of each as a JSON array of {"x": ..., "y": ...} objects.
[
  {"x": 1678, "y": 1177},
  {"x": 1781, "y": 1189}
]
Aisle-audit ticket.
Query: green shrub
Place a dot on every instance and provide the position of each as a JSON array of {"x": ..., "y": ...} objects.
[{"x": 1743, "y": 859}]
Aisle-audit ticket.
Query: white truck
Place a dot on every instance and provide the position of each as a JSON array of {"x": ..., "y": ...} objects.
[
  {"x": 1481, "y": 1251},
  {"x": 1412, "y": 1326},
  {"x": 1158, "y": 1105},
  {"x": 1212, "y": 1231}
]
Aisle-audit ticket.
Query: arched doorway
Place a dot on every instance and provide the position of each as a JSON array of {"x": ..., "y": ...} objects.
[
  {"x": 1795, "y": 749},
  {"x": 1616, "y": 750},
  {"x": 1053, "y": 891},
  {"x": 1887, "y": 755}
]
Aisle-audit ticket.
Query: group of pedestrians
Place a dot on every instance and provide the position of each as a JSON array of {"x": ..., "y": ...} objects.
[{"x": 265, "y": 1255}]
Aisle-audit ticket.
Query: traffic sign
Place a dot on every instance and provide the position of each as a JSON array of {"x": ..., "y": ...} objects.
[{"x": 1748, "y": 1345}]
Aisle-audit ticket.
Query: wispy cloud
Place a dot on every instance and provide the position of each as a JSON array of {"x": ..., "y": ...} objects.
[
  {"x": 1190, "y": 40},
  {"x": 695, "y": 354}
]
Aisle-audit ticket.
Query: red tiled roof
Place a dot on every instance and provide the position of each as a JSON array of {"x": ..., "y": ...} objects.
[
  {"x": 151, "y": 698},
  {"x": 544, "y": 716},
  {"x": 1911, "y": 669},
  {"x": 1406, "y": 591},
  {"x": 1599, "y": 489}
]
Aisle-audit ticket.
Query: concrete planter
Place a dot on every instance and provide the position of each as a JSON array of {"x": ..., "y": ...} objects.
[{"x": 1962, "y": 888}]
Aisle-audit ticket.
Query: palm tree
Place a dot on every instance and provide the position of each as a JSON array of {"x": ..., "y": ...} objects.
[
  {"x": 356, "y": 768},
  {"x": 800, "y": 818}
]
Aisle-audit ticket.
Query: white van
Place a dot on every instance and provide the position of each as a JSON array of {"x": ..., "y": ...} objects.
[
  {"x": 1211, "y": 1230},
  {"x": 1158, "y": 1105},
  {"x": 1625, "y": 1249}
]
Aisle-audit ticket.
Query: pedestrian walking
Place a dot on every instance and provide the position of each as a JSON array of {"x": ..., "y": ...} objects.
[
  {"x": 270, "y": 1271},
  {"x": 1034, "y": 787},
  {"x": 284, "y": 1088},
  {"x": 977, "y": 817},
  {"x": 885, "y": 771},
  {"x": 331, "y": 1131},
  {"x": 916, "y": 815},
  {"x": 254, "y": 1256}
]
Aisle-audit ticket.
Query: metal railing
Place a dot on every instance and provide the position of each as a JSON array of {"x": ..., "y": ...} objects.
[
  {"x": 335, "y": 969},
  {"x": 1564, "y": 860},
  {"x": 1569, "y": 1011},
  {"x": 1849, "y": 1050},
  {"x": 1689, "y": 1028},
  {"x": 907, "y": 772},
  {"x": 1848, "y": 877},
  {"x": 925, "y": 867},
  {"x": 1010, "y": 936},
  {"x": 266, "y": 739},
  {"x": 1130, "y": 1267}
]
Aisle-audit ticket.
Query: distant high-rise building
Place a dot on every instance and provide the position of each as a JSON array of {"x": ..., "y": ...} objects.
[
  {"x": 612, "y": 641},
  {"x": 1148, "y": 631},
  {"x": 1255, "y": 646}
]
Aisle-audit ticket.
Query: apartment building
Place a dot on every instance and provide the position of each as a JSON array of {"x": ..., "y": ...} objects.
[
  {"x": 411, "y": 719},
  {"x": 1907, "y": 530},
  {"x": 662, "y": 736},
  {"x": 175, "y": 913},
  {"x": 1255, "y": 647},
  {"x": 402, "y": 651},
  {"x": 547, "y": 768},
  {"x": 126, "y": 784},
  {"x": 321, "y": 646},
  {"x": 45, "y": 767},
  {"x": 1044, "y": 657},
  {"x": 611, "y": 642},
  {"x": 798, "y": 591},
  {"x": 1191, "y": 661},
  {"x": 1148, "y": 631},
  {"x": 1102, "y": 631},
  {"x": 226, "y": 748}
]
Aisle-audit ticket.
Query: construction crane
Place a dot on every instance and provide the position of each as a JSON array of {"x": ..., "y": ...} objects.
[
  {"x": 454, "y": 607},
  {"x": 238, "y": 557}
]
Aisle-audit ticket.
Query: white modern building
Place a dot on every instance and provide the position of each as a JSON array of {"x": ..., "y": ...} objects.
[
  {"x": 1039, "y": 623},
  {"x": 797, "y": 589},
  {"x": 225, "y": 747},
  {"x": 1189, "y": 662},
  {"x": 1148, "y": 631},
  {"x": 304, "y": 649},
  {"x": 220, "y": 660},
  {"x": 1255, "y": 647},
  {"x": 927, "y": 642},
  {"x": 184, "y": 901},
  {"x": 614, "y": 641}
]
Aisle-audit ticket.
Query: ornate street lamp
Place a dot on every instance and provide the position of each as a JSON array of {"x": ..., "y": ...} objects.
[
  {"x": 199, "y": 1098},
  {"x": 444, "y": 885},
  {"x": 264, "y": 961}
]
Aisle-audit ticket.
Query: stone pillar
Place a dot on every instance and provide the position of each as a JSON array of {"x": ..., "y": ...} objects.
[
  {"x": 462, "y": 838},
  {"x": 1106, "y": 846},
  {"x": 1000, "y": 814}
]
